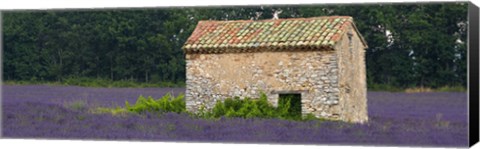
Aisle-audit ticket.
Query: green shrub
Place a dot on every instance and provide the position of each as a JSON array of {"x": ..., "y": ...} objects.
[
  {"x": 219, "y": 109},
  {"x": 310, "y": 116},
  {"x": 255, "y": 108},
  {"x": 114, "y": 111},
  {"x": 167, "y": 103},
  {"x": 283, "y": 108},
  {"x": 230, "y": 107}
]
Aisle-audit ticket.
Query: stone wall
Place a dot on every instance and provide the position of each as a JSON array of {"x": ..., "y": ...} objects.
[
  {"x": 314, "y": 74},
  {"x": 353, "y": 88}
]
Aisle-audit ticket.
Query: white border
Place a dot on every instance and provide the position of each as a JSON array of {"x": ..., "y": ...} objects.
[
  {"x": 87, "y": 4},
  {"x": 81, "y": 144},
  {"x": 76, "y": 4}
]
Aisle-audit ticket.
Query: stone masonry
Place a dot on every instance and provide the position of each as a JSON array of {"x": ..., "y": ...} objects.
[{"x": 213, "y": 77}]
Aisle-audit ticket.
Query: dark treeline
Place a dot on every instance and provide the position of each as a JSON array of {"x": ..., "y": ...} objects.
[{"x": 409, "y": 45}]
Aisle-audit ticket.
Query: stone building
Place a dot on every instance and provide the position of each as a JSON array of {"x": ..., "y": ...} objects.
[{"x": 321, "y": 59}]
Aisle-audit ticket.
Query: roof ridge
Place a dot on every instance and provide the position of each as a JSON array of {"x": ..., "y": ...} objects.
[{"x": 273, "y": 20}]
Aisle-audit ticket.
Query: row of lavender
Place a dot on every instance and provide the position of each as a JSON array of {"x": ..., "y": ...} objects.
[{"x": 420, "y": 119}]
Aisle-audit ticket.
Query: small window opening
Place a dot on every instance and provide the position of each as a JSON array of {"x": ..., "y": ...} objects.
[
  {"x": 350, "y": 41},
  {"x": 292, "y": 103}
]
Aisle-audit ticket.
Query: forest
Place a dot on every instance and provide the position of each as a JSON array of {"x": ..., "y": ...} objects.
[{"x": 409, "y": 45}]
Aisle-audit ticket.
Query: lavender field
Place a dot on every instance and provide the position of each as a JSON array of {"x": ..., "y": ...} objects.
[{"x": 62, "y": 112}]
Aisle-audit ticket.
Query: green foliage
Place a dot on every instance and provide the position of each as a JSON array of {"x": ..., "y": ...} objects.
[
  {"x": 119, "y": 45},
  {"x": 256, "y": 108},
  {"x": 144, "y": 45},
  {"x": 114, "y": 111},
  {"x": 384, "y": 87},
  {"x": 167, "y": 103},
  {"x": 230, "y": 107},
  {"x": 202, "y": 112},
  {"x": 310, "y": 117},
  {"x": 77, "y": 105},
  {"x": 290, "y": 106},
  {"x": 451, "y": 89}
]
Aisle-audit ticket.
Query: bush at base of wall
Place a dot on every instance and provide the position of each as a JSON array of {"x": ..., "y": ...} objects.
[{"x": 230, "y": 107}]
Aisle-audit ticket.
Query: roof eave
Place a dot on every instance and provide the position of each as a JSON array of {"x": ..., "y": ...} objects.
[{"x": 359, "y": 35}]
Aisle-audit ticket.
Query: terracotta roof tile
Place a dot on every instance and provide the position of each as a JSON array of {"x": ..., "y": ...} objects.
[{"x": 242, "y": 35}]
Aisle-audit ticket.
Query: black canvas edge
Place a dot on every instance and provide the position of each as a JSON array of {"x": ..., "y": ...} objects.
[
  {"x": 1, "y": 72},
  {"x": 473, "y": 74}
]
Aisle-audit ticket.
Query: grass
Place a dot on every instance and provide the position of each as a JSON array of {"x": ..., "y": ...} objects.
[
  {"x": 418, "y": 90},
  {"x": 440, "y": 89},
  {"x": 100, "y": 82},
  {"x": 452, "y": 89},
  {"x": 97, "y": 82},
  {"x": 384, "y": 87},
  {"x": 390, "y": 88}
]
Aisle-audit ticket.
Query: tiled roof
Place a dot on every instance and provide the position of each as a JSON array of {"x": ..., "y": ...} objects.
[{"x": 249, "y": 35}]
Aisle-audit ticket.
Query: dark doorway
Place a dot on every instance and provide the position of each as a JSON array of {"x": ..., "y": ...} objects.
[{"x": 295, "y": 106}]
